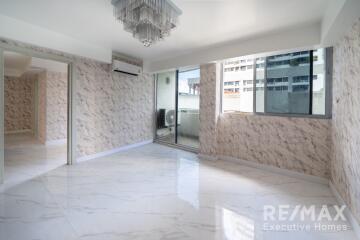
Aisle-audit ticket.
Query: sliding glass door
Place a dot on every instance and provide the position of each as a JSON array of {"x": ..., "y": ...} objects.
[
  {"x": 177, "y": 98},
  {"x": 166, "y": 107},
  {"x": 188, "y": 108}
]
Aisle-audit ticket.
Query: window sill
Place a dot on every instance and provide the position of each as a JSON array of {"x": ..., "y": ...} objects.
[
  {"x": 238, "y": 113},
  {"x": 286, "y": 115}
]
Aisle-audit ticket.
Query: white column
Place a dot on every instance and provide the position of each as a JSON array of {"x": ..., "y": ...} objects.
[{"x": 209, "y": 108}]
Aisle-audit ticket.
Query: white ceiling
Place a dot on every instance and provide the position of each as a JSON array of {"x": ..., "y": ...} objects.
[{"x": 204, "y": 23}]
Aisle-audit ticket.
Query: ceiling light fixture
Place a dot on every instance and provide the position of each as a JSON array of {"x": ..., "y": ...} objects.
[{"x": 148, "y": 20}]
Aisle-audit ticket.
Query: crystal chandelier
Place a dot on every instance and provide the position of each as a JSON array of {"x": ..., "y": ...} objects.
[{"x": 148, "y": 20}]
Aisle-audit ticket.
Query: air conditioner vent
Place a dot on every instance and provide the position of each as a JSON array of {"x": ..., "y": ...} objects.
[{"x": 127, "y": 68}]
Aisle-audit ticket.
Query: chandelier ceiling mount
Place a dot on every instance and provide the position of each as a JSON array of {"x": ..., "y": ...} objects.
[{"x": 148, "y": 20}]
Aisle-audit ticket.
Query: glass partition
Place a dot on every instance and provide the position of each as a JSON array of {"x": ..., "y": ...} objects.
[
  {"x": 188, "y": 108},
  {"x": 177, "y": 107},
  {"x": 165, "y": 106}
]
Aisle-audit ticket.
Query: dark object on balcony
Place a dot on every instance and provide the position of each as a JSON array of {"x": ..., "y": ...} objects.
[{"x": 161, "y": 118}]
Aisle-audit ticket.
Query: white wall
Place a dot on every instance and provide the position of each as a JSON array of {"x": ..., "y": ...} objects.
[
  {"x": 189, "y": 101},
  {"x": 338, "y": 19}
]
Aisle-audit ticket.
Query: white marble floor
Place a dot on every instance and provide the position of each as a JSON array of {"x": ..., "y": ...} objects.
[
  {"x": 26, "y": 158},
  {"x": 155, "y": 192}
]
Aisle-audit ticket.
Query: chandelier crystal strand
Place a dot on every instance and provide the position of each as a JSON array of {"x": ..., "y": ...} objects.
[{"x": 148, "y": 20}]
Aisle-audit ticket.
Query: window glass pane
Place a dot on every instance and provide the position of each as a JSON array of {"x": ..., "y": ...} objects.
[
  {"x": 188, "y": 108},
  {"x": 165, "y": 106},
  {"x": 238, "y": 78},
  {"x": 288, "y": 83},
  {"x": 260, "y": 64},
  {"x": 319, "y": 82}
]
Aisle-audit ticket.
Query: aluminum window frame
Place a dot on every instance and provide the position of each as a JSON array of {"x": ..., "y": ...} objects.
[{"x": 328, "y": 89}]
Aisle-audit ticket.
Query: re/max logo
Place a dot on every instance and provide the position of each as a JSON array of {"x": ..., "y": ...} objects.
[{"x": 304, "y": 213}]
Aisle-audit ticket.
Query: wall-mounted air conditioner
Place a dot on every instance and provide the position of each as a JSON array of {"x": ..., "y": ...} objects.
[{"x": 123, "y": 67}]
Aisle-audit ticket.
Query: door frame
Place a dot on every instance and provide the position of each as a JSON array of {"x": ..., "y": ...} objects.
[{"x": 71, "y": 133}]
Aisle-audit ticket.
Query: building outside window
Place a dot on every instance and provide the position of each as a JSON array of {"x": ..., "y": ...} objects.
[
  {"x": 241, "y": 99},
  {"x": 290, "y": 84}
]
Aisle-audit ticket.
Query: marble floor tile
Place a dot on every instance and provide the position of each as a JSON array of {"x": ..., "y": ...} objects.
[
  {"x": 26, "y": 158},
  {"x": 153, "y": 192}
]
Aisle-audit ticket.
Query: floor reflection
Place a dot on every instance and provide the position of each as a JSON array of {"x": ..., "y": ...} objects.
[
  {"x": 188, "y": 181},
  {"x": 154, "y": 192},
  {"x": 237, "y": 227}
]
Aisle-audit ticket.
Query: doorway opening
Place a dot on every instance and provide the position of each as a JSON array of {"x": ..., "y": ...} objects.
[
  {"x": 35, "y": 116},
  {"x": 177, "y": 108}
]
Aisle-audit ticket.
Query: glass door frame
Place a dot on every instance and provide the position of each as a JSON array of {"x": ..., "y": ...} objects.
[
  {"x": 176, "y": 104},
  {"x": 176, "y": 89}
]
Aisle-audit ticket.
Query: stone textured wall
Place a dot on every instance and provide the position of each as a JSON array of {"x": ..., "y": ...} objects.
[
  {"x": 299, "y": 144},
  {"x": 345, "y": 166},
  {"x": 52, "y": 104},
  {"x": 19, "y": 102},
  {"x": 56, "y": 105},
  {"x": 208, "y": 109},
  {"x": 113, "y": 109},
  {"x": 100, "y": 104},
  {"x": 42, "y": 107}
]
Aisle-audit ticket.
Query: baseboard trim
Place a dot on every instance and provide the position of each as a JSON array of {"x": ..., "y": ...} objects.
[
  {"x": 347, "y": 212},
  {"x": 264, "y": 167},
  {"x": 56, "y": 142},
  {"x": 113, "y": 151},
  {"x": 177, "y": 146},
  {"x": 19, "y": 131},
  {"x": 207, "y": 157}
]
